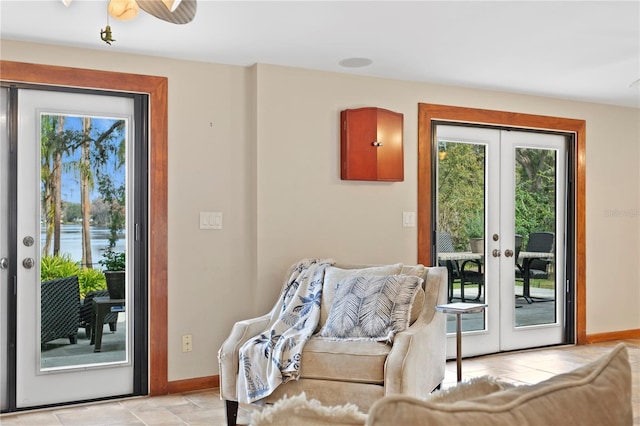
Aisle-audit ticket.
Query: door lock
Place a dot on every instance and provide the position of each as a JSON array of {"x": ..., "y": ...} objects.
[
  {"x": 508, "y": 253},
  {"x": 4, "y": 263},
  {"x": 495, "y": 253},
  {"x": 28, "y": 263}
]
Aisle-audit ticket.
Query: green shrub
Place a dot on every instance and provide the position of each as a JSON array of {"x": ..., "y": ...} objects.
[
  {"x": 52, "y": 267},
  {"x": 90, "y": 280}
]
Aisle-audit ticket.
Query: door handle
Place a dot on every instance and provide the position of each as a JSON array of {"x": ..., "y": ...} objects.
[
  {"x": 495, "y": 253},
  {"x": 28, "y": 263},
  {"x": 4, "y": 263},
  {"x": 508, "y": 253}
]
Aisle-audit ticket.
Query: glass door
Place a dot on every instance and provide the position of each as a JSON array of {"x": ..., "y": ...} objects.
[
  {"x": 75, "y": 320},
  {"x": 534, "y": 207},
  {"x": 4, "y": 250},
  {"x": 500, "y": 205}
]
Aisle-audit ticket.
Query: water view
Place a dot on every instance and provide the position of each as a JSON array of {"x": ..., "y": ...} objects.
[{"x": 71, "y": 241}]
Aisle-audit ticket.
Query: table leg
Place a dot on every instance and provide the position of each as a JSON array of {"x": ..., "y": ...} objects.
[
  {"x": 94, "y": 312},
  {"x": 526, "y": 286},
  {"x": 99, "y": 328},
  {"x": 459, "y": 346}
]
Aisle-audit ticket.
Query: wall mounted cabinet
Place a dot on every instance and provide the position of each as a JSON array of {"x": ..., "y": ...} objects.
[{"x": 371, "y": 145}]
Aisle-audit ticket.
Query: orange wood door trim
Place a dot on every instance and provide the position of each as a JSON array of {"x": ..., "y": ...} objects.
[
  {"x": 428, "y": 113},
  {"x": 156, "y": 88}
]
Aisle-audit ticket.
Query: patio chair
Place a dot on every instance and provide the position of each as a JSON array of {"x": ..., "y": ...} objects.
[
  {"x": 60, "y": 309},
  {"x": 445, "y": 245},
  {"x": 471, "y": 277},
  {"x": 542, "y": 242},
  {"x": 535, "y": 267}
]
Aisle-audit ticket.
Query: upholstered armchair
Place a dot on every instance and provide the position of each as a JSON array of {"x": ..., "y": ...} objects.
[{"x": 339, "y": 371}]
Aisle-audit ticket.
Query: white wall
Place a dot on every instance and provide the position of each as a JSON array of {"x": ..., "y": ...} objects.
[
  {"x": 270, "y": 164},
  {"x": 298, "y": 142}
]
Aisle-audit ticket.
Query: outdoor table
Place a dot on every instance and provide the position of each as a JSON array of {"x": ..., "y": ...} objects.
[{"x": 101, "y": 307}]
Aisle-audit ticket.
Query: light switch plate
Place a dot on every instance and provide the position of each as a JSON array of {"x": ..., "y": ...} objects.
[
  {"x": 409, "y": 219},
  {"x": 210, "y": 220}
]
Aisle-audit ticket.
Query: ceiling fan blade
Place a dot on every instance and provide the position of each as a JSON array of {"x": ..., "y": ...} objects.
[{"x": 183, "y": 14}]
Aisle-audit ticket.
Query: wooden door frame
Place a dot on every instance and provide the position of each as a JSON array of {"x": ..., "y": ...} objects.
[
  {"x": 156, "y": 88},
  {"x": 430, "y": 113}
]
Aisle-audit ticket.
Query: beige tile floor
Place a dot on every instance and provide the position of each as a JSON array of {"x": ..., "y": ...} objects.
[{"x": 205, "y": 407}]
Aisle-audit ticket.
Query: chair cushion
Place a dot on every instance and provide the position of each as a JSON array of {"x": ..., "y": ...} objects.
[
  {"x": 361, "y": 361},
  {"x": 371, "y": 308},
  {"x": 333, "y": 275}
]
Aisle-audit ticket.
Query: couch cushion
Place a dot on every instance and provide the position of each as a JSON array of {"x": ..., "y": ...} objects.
[
  {"x": 598, "y": 393},
  {"x": 361, "y": 362},
  {"x": 371, "y": 308},
  {"x": 333, "y": 275}
]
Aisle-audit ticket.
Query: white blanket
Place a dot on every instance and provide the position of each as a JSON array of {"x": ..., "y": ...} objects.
[{"x": 273, "y": 357}]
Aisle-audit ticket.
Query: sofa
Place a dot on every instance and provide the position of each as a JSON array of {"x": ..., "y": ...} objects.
[
  {"x": 335, "y": 371},
  {"x": 598, "y": 393}
]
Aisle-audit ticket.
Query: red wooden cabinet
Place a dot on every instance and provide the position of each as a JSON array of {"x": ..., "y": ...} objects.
[{"x": 371, "y": 145}]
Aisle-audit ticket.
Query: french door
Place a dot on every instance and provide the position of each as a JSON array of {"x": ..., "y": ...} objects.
[
  {"x": 501, "y": 219},
  {"x": 69, "y": 208}
]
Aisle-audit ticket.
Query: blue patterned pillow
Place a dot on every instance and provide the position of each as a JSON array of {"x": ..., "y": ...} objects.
[{"x": 371, "y": 307}]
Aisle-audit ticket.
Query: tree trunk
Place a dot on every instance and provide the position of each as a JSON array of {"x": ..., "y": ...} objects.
[
  {"x": 46, "y": 174},
  {"x": 57, "y": 192},
  {"x": 85, "y": 201}
]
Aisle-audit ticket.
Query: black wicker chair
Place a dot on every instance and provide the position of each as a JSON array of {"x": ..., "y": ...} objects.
[
  {"x": 60, "y": 309},
  {"x": 86, "y": 310},
  {"x": 445, "y": 245}
]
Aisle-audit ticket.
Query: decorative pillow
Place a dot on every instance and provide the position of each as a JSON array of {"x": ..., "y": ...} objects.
[
  {"x": 371, "y": 308},
  {"x": 333, "y": 275},
  {"x": 419, "y": 271}
]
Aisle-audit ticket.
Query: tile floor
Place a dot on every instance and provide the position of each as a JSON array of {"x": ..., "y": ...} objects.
[{"x": 205, "y": 407}]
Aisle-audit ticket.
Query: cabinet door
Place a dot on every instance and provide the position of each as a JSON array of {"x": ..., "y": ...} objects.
[
  {"x": 371, "y": 145},
  {"x": 390, "y": 158},
  {"x": 359, "y": 156}
]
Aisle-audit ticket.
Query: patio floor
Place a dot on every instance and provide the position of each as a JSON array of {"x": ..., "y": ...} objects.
[{"x": 60, "y": 353}]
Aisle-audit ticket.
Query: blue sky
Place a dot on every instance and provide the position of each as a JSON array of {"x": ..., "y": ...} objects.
[{"x": 70, "y": 178}]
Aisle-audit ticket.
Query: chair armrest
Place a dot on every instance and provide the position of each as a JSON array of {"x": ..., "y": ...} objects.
[
  {"x": 417, "y": 360},
  {"x": 228, "y": 354}
]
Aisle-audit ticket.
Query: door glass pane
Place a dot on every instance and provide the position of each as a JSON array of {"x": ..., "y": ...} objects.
[
  {"x": 83, "y": 240},
  {"x": 535, "y": 218},
  {"x": 461, "y": 225}
]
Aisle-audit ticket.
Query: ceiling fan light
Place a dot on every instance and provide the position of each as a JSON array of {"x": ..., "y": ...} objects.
[
  {"x": 171, "y": 5},
  {"x": 123, "y": 10}
]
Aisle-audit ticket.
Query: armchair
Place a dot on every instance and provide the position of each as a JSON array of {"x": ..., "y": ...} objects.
[
  {"x": 60, "y": 309},
  {"x": 360, "y": 372}
]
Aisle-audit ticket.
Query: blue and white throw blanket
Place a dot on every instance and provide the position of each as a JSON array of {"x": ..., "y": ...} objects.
[{"x": 273, "y": 357}]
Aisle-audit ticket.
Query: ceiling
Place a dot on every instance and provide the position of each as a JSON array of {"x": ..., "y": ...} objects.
[{"x": 578, "y": 50}]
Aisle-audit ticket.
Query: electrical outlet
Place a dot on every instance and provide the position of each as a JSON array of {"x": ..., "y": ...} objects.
[{"x": 187, "y": 345}]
